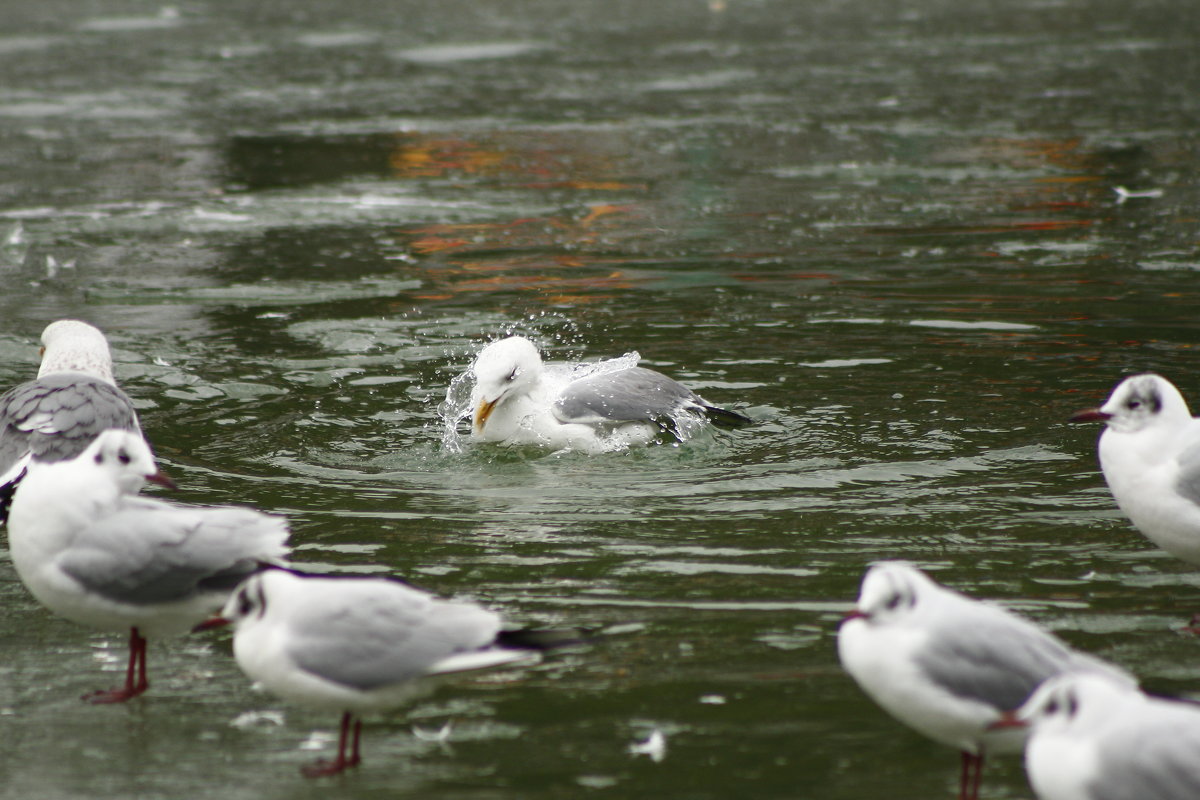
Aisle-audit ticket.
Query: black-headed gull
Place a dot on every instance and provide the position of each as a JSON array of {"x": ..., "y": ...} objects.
[
  {"x": 518, "y": 399},
  {"x": 91, "y": 551},
  {"x": 947, "y": 665},
  {"x": 357, "y": 645},
  {"x": 57, "y": 415},
  {"x": 1095, "y": 739},
  {"x": 1150, "y": 457}
]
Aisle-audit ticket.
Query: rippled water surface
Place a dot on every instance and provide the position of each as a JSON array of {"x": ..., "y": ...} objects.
[{"x": 908, "y": 239}]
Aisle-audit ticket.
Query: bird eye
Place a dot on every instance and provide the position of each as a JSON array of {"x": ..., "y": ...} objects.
[
  {"x": 1052, "y": 708},
  {"x": 99, "y": 459},
  {"x": 512, "y": 376},
  {"x": 893, "y": 602},
  {"x": 123, "y": 457},
  {"x": 1133, "y": 405},
  {"x": 245, "y": 606}
]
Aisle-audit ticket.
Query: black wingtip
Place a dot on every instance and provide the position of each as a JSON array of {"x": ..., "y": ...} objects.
[
  {"x": 553, "y": 638},
  {"x": 7, "y": 492},
  {"x": 542, "y": 638},
  {"x": 724, "y": 418}
]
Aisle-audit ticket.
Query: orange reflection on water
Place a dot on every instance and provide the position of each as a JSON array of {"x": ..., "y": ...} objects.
[
  {"x": 553, "y": 257},
  {"x": 437, "y": 244},
  {"x": 550, "y": 286},
  {"x": 525, "y": 255},
  {"x": 425, "y": 158},
  {"x": 536, "y": 161}
]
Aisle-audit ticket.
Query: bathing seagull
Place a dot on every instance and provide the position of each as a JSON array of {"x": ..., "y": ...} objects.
[
  {"x": 519, "y": 400},
  {"x": 57, "y": 415},
  {"x": 357, "y": 645},
  {"x": 1093, "y": 739},
  {"x": 1150, "y": 457},
  {"x": 92, "y": 551},
  {"x": 947, "y": 665}
]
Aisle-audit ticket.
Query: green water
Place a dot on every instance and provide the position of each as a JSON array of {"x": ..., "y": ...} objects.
[{"x": 891, "y": 234}]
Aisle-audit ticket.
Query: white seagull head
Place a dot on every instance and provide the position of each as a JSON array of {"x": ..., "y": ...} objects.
[
  {"x": 124, "y": 458},
  {"x": 1141, "y": 402},
  {"x": 1071, "y": 702},
  {"x": 247, "y": 603},
  {"x": 892, "y": 592},
  {"x": 69, "y": 345},
  {"x": 504, "y": 370}
]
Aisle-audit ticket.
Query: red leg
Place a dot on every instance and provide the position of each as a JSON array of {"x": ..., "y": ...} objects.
[
  {"x": 135, "y": 674},
  {"x": 322, "y": 768},
  {"x": 355, "y": 758},
  {"x": 971, "y": 777},
  {"x": 142, "y": 683},
  {"x": 978, "y": 775}
]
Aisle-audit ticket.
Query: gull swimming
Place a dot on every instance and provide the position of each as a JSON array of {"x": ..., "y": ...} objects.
[
  {"x": 517, "y": 399},
  {"x": 1150, "y": 457},
  {"x": 949, "y": 666},
  {"x": 357, "y": 645},
  {"x": 92, "y": 551},
  {"x": 57, "y": 415},
  {"x": 1095, "y": 739}
]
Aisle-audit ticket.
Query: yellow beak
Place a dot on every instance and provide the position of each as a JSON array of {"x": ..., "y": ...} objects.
[{"x": 482, "y": 412}]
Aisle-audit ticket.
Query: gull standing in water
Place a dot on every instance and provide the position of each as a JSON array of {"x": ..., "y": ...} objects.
[
  {"x": 519, "y": 400},
  {"x": 949, "y": 666},
  {"x": 1093, "y": 739},
  {"x": 1150, "y": 457},
  {"x": 358, "y": 645},
  {"x": 57, "y": 415},
  {"x": 92, "y": 551}
]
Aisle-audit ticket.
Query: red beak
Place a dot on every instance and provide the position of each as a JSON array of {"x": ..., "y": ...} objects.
[
  {"x": 1090, "y": 415},
  {"x": 854, "y": 613},
  {"x": 162, "y": 480},
  {"x": 210, "y": 623},
  {"x": 1008, "y": 719}
]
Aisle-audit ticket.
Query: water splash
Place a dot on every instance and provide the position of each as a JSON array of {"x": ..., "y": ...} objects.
[
  {"x": 539, "y": 328},
  {"x": 456, "y": 407}
]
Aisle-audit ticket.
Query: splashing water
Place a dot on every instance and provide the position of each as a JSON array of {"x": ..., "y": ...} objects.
[{"x": 456, "y": 407}]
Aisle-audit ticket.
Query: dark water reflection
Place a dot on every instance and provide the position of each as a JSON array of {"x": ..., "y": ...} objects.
[{"x": 892, "y": 234}]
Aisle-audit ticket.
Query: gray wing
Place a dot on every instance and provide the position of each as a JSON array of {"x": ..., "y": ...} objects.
[
  {"x": 154, "y": 552},
  {"x": 56, "y": 417},
  {"x": 628, "y": 395},
  {"x": 380, "y": 633},
  {"x": 1159, "y": 762},
  {"x": 994, "y": 658}
]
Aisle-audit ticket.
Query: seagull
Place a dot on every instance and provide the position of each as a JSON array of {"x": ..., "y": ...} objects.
[
  {"x": 519, "y": 400},
  {"x": 92, "y": 551},
  {"x": 354, "y": 645},
  {"x": 947, "y": 665},
  {"x": 1150, "y": 456},
  {"x": 1093, "y": 739},
  {"x": 57, "y": 415}
]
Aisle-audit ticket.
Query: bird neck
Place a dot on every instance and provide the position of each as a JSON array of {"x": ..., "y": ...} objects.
[{"x": 89, "y": 361}]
